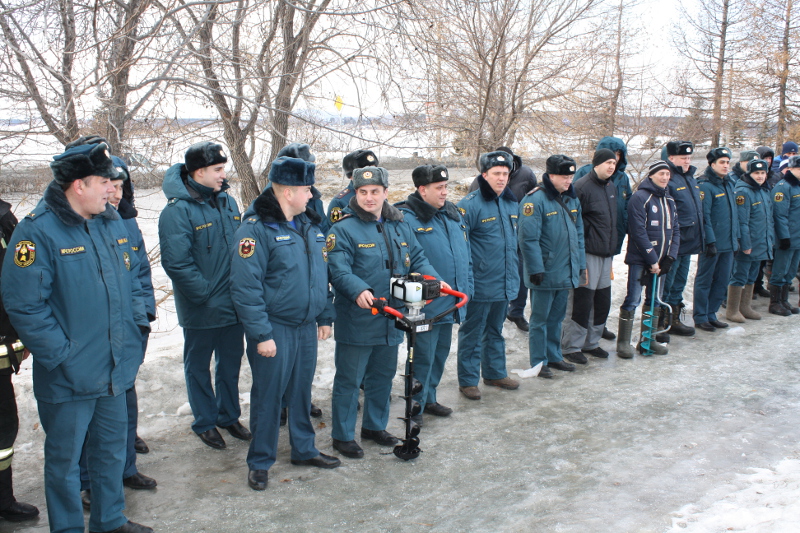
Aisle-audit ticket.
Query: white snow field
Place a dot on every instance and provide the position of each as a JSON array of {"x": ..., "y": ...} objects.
[{"x": 704, "y": 439}]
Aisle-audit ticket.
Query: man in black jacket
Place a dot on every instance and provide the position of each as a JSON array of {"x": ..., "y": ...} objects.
[
  {"x": 10, "y": 359},
  {"x": 521, "y": 181},
  {"x": 591, "y": 301}
]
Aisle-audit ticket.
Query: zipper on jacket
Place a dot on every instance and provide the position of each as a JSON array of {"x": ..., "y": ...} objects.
[{"x": 390, "y": 261}]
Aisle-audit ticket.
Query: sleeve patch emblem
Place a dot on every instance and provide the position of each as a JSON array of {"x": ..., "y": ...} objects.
[
  {"x": 702, "y": 195},
  {"x": 407, "y": 260},
  {"x": 330, "y": 242},
  {"x": 778, "y": 196},
  {"x": 462, "y": 211},
  {"x": 740, "y": 200},
  {"x": 336, "y": 214},
  {"x": 127, "y": 259},
  {"x": 247, "y": 247},
  {"x": 24, "y": 253}
]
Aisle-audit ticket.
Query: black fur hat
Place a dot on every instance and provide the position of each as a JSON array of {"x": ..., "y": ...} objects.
[
  {"x": 83, "y": 161},
  {"x": 86, "y": 139},
  {"x": 427, "y": 174},
  {"x": 292, "y": 171},
  {"x": 560, "y": 165},
  {"x": 718, "y": 153},
  {"x": 204, "y": 154},
  {"x": 298, "y": 150},
  {"x": 359, "y": 159},
  {"x": 498, "y": 158},
  {"x": 757, "y": 164},
  {"x": 680, "y": 148}
]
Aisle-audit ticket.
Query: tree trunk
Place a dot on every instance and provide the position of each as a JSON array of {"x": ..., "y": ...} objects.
[
  {"x": 783, "y": 78},
  {"x": 720, "y": 77}
]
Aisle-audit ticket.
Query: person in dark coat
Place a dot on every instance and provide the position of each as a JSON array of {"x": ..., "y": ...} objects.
[
  {"x": 279, "y": 285},
  {"x": 739, "y": 169},
  {"x": 301, "y": 151},
  {"x": 122, "y": 200},
  {"x": 773, "y": 177},
  {"x": 75, "y": 247},
  {"x": 591, "y": 302},
  {"x": 622, "y": 182},
  {"x": 720, "y": 220},
  {"x": 653, "y": 244},
  {"x": 367, "y": 246},
  {"x": 439, "y": 228},
  {"x": 196, "y": 233},
  {"x": 551, "y": 240},
  {"x": 11, "y": 357},
  {"x": 786, "y": 215},
  {"x": 491, "y": 214},
  {"x": 788, "y": 149},
  {"x": 754, "y": 206},
  {"x": 685, "y": 191},
  {"x": 352, "y": 161},
  {"x": 521, "y": 181}
]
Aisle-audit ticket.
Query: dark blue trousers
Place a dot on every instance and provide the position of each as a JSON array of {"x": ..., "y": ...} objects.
[
  {"x": 132, "y": 404},
  {"x": 375, "y": 366},
  {"x": 289, "y": 374},
  {"x": 548, "y": 309},
  {"x": 217, "y": 406},
  {"x": 675, "y": 281},
  {"x": 481, "y": 346},
  {"x": 711, "y": 285},
  {"x": 430, "y": 355},
  {"x": 101, "y": 423},
  {"x": 784, "y": 267}
]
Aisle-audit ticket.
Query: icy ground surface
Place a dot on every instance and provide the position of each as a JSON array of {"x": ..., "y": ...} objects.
[{"x": 703, "y": 440}]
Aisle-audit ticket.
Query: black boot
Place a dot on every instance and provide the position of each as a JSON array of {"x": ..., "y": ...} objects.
[
  {"x": 775, "y": 305},
  {"x": 662, "y": 324},
  {"x": 678, "y": 327},
  {"x": 785, "y": 299}
]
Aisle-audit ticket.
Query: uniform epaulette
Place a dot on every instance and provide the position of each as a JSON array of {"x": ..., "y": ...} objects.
[
  {"x": 537, "y": 188},
  {"x": 173, "y": 200},
  {"x": 37, "y": 211},
  {"x": 251, "y": 219},
  {"x": 343, "y": 217},
  {"x": 343, "y": 193}
]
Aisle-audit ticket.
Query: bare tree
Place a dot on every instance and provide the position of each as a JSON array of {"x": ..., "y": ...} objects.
[
  {"x": 709, "y": 38},
  {"x": 254, "y": 61},
  {"x": 483, "y": 69},
  {"x": 63, "y": 61},
  {"x": 773, "y": 63}
]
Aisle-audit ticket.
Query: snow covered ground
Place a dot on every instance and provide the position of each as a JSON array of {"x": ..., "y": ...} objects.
[{"x": 703, "y": 440}]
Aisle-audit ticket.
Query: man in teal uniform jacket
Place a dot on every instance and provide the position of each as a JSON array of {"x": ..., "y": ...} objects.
[{"x": 71, "y": 288}]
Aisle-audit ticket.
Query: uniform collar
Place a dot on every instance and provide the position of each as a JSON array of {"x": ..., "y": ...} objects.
[{"x": 57, "y": 202}]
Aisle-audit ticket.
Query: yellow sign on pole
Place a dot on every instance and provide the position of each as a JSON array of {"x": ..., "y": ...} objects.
[{"x": 338, "y": 102}]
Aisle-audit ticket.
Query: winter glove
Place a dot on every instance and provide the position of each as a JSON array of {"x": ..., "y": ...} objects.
[
  {"x": 711, "y": 250},
  {"x": 665, "y": 264},
  {"x": 537, "y": 279},
  {"x": 785, "y": 244}
]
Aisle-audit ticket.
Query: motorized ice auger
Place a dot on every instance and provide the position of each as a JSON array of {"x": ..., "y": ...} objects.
[
  {"x": 650, "y": 323},
  {"x": 415, "y": 290}
]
